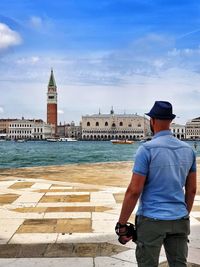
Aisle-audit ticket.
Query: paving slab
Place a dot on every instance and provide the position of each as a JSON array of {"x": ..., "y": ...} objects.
[
  {"x": 37, "y": 238},
  {"x": 107, "y": 261},
  {"x": 8, "y": 228},
  {"x": 47, "y": 262},
  {"x": 69, "y": 213},
  {"x": 87, "y": 238}
]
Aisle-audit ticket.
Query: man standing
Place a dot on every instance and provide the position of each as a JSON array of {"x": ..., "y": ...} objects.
[{"x": 164, "y": 178}]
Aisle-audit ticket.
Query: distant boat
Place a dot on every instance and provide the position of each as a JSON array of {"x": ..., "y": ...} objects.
[
  {"x": 52, "y": 140},
  {"x": 62, "y": 139},
  {"x": 20, "y": 141},
  {"x": 122, "y": 142},
  {"x": 67, "y": 139},
  {"x": 71, "y": 139}
]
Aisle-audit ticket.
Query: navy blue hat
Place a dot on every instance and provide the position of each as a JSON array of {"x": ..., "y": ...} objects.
[{"x": 161, "y": 110}]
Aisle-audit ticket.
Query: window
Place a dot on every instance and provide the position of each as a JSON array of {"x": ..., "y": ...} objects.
[
  {"x": 139, "y": 125},
  {"x": 51, "y": 97},
  {"x": 113, "y": 125},
  {"x": 106, "y": 123},
  {"x": 121, "y": 123},
  {"x": 130, "y": 125},
  {"x": 97, "y": 123},
  {"x": 88, "y": 123}
]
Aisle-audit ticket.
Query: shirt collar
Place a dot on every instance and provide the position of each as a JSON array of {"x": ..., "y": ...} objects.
[{"x": 162, "y": 133}]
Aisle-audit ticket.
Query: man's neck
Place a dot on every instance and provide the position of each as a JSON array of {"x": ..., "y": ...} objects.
[{"x": 161, "y": 129}]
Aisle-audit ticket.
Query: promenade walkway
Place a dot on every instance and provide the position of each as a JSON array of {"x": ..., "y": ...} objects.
[{"x": 65, "y": 216}]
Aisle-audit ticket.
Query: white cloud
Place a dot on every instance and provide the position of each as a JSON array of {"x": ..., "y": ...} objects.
[
  {"x": 185, "y": 52},
  {"x": 35, "y": 59},
  {"x": 8, "y": 37},
  {"x": 60, "y": 111},
  {"x": 44, "y": 25},
  {"x": 28, "y": 60},
  {"x": 36, "y": 22},
  {"x": 158, "y": 63}
]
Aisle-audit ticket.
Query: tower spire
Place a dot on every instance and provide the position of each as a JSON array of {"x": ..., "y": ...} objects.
[
  {"x": 52, "y": 82},
  {"x": 112, "y": 110}
]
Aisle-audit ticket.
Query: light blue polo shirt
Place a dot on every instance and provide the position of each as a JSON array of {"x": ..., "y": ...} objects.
[{"x": 166, "y": 162}]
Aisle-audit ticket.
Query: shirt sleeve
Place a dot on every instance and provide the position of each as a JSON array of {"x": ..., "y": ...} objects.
[
  {"x": 142, "y": 159},
  {"x": 194, "y": 164}
]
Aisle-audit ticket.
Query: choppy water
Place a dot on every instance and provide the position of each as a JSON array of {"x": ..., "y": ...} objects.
[{"x": 28, "y": 154}]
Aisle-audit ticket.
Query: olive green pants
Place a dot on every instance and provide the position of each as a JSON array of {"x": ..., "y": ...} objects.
[{"x": 152, "y": 234}]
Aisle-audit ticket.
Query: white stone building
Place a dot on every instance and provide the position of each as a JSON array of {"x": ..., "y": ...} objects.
[
  {"x": 114, "y": 126},
  {"x": 29, "y": 129},
  {"x": 193, "y": 129},
  {"x": 178, "y": 130}
]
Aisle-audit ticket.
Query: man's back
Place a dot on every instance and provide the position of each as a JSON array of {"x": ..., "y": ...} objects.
[{"x": 166, "y": 161}]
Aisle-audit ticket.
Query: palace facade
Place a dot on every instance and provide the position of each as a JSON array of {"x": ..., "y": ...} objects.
[{"x": 115, "y": 126}]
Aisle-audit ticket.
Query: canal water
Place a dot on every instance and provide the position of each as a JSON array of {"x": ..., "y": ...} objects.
[{"x": 43, "y": 153}]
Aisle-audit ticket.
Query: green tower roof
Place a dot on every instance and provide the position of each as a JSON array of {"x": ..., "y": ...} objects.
[{"x": 52, "y": 82}]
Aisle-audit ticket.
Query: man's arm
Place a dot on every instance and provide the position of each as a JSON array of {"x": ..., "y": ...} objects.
[
  {"x": 190, "y": 190},
  {"x": 131, "y": 196}
]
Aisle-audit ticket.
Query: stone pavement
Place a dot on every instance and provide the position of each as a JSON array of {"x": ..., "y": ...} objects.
[{"x": 65, "y": 216}]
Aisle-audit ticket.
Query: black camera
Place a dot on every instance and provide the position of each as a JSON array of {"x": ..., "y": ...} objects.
[{"x": 130, "y": 231}]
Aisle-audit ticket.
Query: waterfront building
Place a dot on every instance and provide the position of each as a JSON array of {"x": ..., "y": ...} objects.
[
  {"x": 178, "y": 130},
  {"x": 4, "y": 125},
  {"x": 73, "y": 131},
  {"x": 61, "y": 130},
  {"x": 193, "y": 129},
  {"x": 70, "y": 130},
  {"x": 30, "y": 130},
  {"x": 52, "y": 102},
  {"x": 114, "y": 126}
]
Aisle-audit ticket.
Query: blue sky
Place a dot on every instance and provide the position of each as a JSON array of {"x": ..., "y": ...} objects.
[{"x": 125, "y": 53}]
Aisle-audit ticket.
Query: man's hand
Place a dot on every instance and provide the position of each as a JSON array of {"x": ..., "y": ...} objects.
[
  {"x": 125, "y": 232},
  {"x": 124, "y": 239}
]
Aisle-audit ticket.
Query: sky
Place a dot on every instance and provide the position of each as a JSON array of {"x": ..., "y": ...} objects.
[{"x": 121, "y": 53}]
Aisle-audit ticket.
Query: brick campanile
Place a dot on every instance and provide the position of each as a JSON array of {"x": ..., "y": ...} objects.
[{"x": 52, "y": 102}]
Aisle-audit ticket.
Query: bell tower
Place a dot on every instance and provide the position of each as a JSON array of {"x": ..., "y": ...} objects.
[{"x": 52, "y": 102}]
